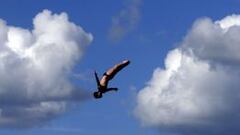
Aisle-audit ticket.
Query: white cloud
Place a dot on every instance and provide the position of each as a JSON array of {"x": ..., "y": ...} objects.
[
  {"x": 125, "y": 21},
  {"x": 35, "y": 66},
  {"x": 198, "y": 90}
]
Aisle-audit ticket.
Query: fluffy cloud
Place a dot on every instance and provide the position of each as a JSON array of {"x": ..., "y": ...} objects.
[
  {"x": 125, "y": 21},
  {"x": 35, "y": 67},
  {"x": 198, "y": 90}
]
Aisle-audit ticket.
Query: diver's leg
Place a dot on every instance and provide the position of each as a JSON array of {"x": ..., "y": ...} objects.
[{"x": 113, "y": 71}]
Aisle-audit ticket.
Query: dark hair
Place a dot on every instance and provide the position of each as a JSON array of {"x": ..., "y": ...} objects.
[{"x": 97, "y": 94}]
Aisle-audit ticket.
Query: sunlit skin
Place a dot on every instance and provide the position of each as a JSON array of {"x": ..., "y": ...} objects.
[{"x": 107, "y": 76}]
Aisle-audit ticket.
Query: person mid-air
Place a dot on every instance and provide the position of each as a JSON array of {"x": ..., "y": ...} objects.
[{"x": 102, "y": 85}]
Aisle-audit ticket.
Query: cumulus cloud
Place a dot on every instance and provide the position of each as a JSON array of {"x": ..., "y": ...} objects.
[
  {"x": 198, "y": 90},
  {"x": 35, "y": 66},
  {"x": 125, "y": 21}
]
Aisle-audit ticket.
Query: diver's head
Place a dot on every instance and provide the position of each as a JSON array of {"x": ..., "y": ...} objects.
[{"x": 97, "y": 94}]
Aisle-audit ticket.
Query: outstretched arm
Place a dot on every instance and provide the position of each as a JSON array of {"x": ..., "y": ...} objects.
[
  {"x": 111, "y": 89},
  {"x": 96, "y": 77}
]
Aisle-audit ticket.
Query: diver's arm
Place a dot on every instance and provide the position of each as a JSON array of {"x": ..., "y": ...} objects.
[
  {"x": 110, "y": 89},
  {"x": 97, "y": 79}
]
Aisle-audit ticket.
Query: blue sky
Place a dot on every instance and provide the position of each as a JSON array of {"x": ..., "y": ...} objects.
[{"x": 161, "y": 27}]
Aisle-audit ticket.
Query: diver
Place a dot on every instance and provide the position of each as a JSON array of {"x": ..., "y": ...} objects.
[{"x": 102, "y": 85}]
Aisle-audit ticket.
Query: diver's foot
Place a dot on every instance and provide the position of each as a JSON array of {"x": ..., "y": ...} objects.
[{"x": 115, "y": 89}]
